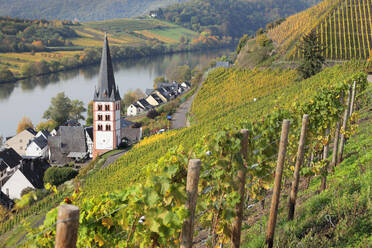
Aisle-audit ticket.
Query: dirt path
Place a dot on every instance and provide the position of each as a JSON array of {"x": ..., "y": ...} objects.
[
  {"x": 179, "y": 118},
  {"x": 114, "y": 157}
]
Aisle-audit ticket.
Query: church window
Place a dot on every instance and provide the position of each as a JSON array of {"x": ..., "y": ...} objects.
[
  {"x": 107, "y": 117},
  {"x": 99, "y": 107},
  {"x": 108, "y": 127},
  {"x": 100, "y": 128},
  {"x": 100, "y": 117},
  {"x": 107, "y": 107}
]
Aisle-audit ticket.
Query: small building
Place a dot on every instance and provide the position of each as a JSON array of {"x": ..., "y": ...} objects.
[
  {"x": 44, "y": 133},
  {"x": 30, "y": 174},
  {"x": 11, "y": 159},
  {"x": 186, "y": 85},
  {"x": 38, "y": 147},
  {"x": 89, "y": 140},
  {"x": 144, "y": 104},
  {"x": 5, "y": 201},
  {"x": 154, "y": 100},
  {"x": 68, "y": 145},
  {"x": 164, "y": 95},
  {"x": 148, "y": 92},
  {"x": 135, "y": 109},
  {"x": 20, "y": 141}
]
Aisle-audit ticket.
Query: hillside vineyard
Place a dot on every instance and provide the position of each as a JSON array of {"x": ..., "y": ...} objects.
[{"x": 345, "y": 33}]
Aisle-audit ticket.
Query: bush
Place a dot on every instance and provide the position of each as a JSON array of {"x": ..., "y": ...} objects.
[
  {"x": 26, "y": 191},
  {"x": 152, "y": 114},
  {"x": 57, "y": 176}
]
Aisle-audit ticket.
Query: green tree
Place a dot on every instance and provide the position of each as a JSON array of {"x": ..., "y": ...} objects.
[
  {"x": 59, "y": 109},
  {"x": 77, "y": 108},
  {"x": 89, "y": 121},
  {"x": 158, "y": 80},
  {"x": 6, "y": 75},
  {"x": 313, "y": 60},
  {"x": 180, "y": 74}
]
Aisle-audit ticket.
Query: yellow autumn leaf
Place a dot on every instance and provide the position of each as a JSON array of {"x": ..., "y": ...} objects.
[
  {"x": 107, "y": 222},
  {"x": 292, "y": 168},
  {"x": 98, "y": 240}
]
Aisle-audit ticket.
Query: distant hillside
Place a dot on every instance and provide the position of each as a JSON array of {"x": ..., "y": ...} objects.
[
  {"x": 231, "y": 17},
  {"x": 343, "y": 28},
  {"x": 83, "y": 10}
]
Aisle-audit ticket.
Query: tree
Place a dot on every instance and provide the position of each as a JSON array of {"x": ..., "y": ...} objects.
[
  {"x": 180, "y": 74},
  {"x": 158, "y": 80},
  {"x": 89, "y": 121},
  {"x": 313, "y": 60},
  {"x": 152, "y": 114},
  {"x": 6, "y": 75},
  {"x": 46, "y": 125},
  {"x": 59, "y": 109},
  {"x": 24, "y": 123},
  {"x": 56, "y": 175},
  {"x": 77, "y": 108}
]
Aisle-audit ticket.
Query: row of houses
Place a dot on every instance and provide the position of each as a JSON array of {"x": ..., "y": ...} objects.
[
  {"x": 164, "y": 93},
  {"x": 27, "y": 155}
]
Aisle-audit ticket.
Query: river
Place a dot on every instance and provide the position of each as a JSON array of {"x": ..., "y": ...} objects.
[{"x": 32, "y": 97}]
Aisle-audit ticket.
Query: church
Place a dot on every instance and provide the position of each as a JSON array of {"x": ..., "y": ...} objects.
[{"x": 106, "y": 107}]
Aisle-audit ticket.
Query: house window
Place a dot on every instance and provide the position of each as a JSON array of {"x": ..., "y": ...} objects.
[
  {"x": 100, "y": 117},
  {"x": 107, "y": 107},
  {"x": 99, "y": 107},
  {"x": 100, "y": 128},
  {"x": 107, "y": 117},
  {"x": 108, "y": 127}
]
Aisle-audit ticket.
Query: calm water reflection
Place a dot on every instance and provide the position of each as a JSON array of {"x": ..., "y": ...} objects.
[{"x": 32, "y": 97}]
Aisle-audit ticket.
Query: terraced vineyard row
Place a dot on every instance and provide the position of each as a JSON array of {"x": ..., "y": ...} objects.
[{"x": 346, "y": 32}]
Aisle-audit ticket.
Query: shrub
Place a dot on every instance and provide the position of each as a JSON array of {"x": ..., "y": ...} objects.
[
  {"x": 57, "y": 176},
  {"x": 152, "y": 114},
  {"x": 26, "y": 191}
]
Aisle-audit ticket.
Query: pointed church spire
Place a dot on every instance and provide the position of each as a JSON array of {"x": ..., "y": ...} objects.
[{"x": 106, "y": 90}]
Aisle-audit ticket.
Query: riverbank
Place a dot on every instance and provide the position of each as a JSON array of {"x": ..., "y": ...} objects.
[{"x": 91, "y": 56}]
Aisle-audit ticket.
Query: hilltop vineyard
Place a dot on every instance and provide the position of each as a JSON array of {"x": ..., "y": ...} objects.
[{"x": 345, "y": 33}]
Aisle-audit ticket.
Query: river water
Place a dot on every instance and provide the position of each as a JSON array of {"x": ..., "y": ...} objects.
[{"x": 32, "y": 97}]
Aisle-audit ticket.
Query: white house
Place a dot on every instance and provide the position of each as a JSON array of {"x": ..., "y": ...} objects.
[
  {"x": 38, "y": 147},
  {"x": 30, "y": 174},
  {"x": 3, "y": 174},
  {"x": 135, "y": 109}
]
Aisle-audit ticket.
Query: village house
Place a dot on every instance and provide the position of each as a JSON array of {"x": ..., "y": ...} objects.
[
  {"x": 68, "y": 145},
  {"x": 135, "y": 109},
  {"x": 29, "y": 175},
  {"x": 12, "y": 160},
  {"x": 89, "y": 140},
  {"x": 130, "y": 133},
  {"x": 38, "y": 147},
  {"x": 154, "y": 100},
  {"x": 20, "y": 141}
]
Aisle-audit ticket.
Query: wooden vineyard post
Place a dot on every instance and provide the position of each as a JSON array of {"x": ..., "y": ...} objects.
[
  {"x": 67, "y": 226},
  {"x": 193, "y": 174},
  {"x": 299, "y": 162},
  {"x": 352, "y": 99},
  {"x": 277, "y": 184},
  {"x": 323, "y": 184},
  {"x": 344, "y": 127},
  {"x": 335, "y": 145},
  {"x": 239, "y": 208}
]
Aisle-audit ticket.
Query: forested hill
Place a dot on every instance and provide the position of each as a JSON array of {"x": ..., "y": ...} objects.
[
  {"x": 83, "y": 10},
  {"x": 231, "y": 17}
]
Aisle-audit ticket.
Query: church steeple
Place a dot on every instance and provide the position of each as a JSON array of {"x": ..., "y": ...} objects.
[{"x": 107, "y": 89}]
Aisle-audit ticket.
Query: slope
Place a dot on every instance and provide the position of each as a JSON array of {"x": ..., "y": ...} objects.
[
  {"x": 83, "y": 10},
  {"x": 343, "y": 28},
  {"x": 231, "y": 18}
]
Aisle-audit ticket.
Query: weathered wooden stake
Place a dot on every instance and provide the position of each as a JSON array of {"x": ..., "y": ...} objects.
[
  {"x": 193, "y": 174},
  {"x": 67, "y": 226},
  {"x": 352, "y": 99},
  {"x": 344, "y": 127},
  {"x": 323, "y": 184},
  {"x": 239, "y": 208},
  {"x": 277, "y": 184},
  {"x": 299, "y": 162}
]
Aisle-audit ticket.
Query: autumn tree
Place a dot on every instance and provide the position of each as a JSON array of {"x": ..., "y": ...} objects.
[
  {"x": 46, "y": 125},
  {"x": 89, "y": 120},
  {"x": 179, "y": 74},
  {"x": 24, "y": 123}
]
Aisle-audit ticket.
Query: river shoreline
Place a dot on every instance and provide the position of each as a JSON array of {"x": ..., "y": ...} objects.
[{"x": 16, "y": 79}]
